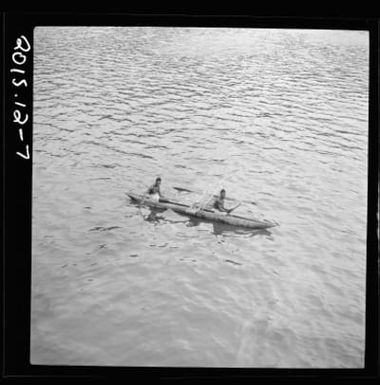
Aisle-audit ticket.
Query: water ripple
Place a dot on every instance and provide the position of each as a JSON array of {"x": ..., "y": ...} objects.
[{"x": 276, "y": 117}]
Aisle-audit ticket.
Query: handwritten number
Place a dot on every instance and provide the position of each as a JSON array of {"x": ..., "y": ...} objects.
[
  {"x": 19, "y": 58},
  {"x": 27, "y": 153},
  {"x": 17, "y": 117},
  {"x": 19, "y": 83},
  {"x": 19, "y": 44}
]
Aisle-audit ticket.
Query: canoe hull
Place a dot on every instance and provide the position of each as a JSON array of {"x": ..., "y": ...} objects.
[{"x": 208, "y": 215}]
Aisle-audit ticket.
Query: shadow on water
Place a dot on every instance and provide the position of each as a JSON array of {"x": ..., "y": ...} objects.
[
  {"x": 155, "y": 217},
  {"x": 224, "y": 229}
]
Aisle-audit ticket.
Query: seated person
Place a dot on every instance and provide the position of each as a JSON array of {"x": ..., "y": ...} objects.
[
  {"x": 154, "y": 190},
  {"x": 218, "y": 203}
]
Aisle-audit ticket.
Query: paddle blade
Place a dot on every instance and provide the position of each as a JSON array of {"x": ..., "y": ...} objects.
[{"x": 182, "y": 189}]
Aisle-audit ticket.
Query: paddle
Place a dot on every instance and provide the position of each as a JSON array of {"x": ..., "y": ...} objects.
[
  {"x": 230, "y": 210},
  {"x": 182, "y": 189}
]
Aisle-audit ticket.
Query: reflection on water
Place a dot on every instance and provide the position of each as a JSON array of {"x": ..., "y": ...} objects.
[
  {"x": 276, "y": 117},
  {"x": 154, "y": 217},
  {"x": 224, "y": 229}
]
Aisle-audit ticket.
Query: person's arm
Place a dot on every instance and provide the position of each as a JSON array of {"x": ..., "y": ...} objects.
[
  {"x": 149, "y": 190},
  {"x": 220, "y": 206}
]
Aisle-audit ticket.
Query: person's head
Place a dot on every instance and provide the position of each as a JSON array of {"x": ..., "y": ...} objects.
[
  {"x": 223, "y": 193},
  {"x": 158, "y": 181}
]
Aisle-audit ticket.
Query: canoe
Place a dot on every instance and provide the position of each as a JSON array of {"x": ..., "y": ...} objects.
[{"x": 204, "y": 214}]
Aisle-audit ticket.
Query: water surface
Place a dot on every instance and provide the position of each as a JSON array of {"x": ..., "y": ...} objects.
[{"x": 276, "y": 117}]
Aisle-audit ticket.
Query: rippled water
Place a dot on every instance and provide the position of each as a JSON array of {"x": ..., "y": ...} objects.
[{"x": 276, "y": 117}]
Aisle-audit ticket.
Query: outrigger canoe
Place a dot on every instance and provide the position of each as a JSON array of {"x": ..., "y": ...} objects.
[{"x": 205, "y": 214}]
